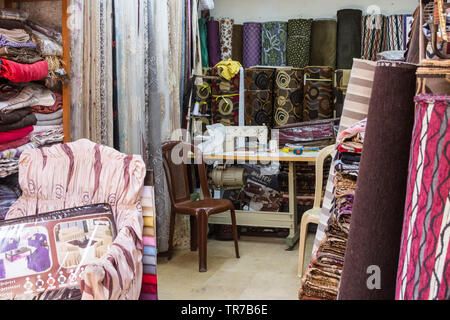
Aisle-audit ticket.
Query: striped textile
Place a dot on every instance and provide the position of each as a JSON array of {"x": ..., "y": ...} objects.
[
  {"x": 373, "y": 36},
  {"x": 408, "y": 20},
  {"x": 394, "y": 32},
  {"x": 356, "y": 108},
  {"x": 149, "y": 290},
  {"x": 424, "y": 266}
]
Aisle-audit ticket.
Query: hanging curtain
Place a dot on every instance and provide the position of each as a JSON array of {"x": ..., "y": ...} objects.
[{"x": 91, "y": 65}]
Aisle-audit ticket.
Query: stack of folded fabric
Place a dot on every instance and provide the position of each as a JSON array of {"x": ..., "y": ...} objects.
[
  {"x": 149, "y": 284},
  {"x": 49, "y": 115},
  {"x": 322, "y": 279}
]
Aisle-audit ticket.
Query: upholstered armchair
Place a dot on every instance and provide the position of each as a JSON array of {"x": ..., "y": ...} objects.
[{"x": 83, "y": 173}]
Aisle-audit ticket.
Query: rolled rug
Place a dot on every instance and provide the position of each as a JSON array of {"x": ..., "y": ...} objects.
[
  {"x": 17, "y": 72},
  {"x": 394, "y": 32},
  {"x": 299, "y": 42},
  {"x": 375, "y": 234},
  {"x": 356, "y": 108},
  {"x": 323, "y": 43},
  {"x": 288, "y": 106},
  {"x": 237, "y": 43},
  {"x": 424, "y": 258},
  {"x": 226, "y": 35},
  {"x": 252, "y": 44},
  {"x": 349, "y": 35},
  {"x": 213, "y": 42},
  {"x": 258, "y": 108},
  {"x": 274, "y": 39},
  {"x": 28, "y": 120},
  {"x": 259, "y": 79},
  {"x": 341, "y": 80},
  {"x": 318, "y": 93},
  {"x": 373, "y": 36},
  {"x": 203, "y": 29}
]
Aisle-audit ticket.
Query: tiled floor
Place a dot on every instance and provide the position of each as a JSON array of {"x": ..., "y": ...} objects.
[{"x": 266, "y": 271}]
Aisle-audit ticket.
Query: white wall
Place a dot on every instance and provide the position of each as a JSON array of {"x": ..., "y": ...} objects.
[{"x": 272, "y": 10}]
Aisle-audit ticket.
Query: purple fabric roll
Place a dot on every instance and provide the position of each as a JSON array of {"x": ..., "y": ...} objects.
[
  {"x": 213, "y": 43},
  {"x": 252, "y": 44}
]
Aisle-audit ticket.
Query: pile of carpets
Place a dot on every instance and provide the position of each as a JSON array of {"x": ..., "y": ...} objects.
[
  {"x": 321, "y": 281},
  {"x": 30, "y": 112}
]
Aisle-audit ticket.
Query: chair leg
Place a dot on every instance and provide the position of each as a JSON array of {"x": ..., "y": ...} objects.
[
  {"x": 235, "y": 233},
  {"x": 202, "y": 234},
  {"x": 194, "y": 233},
  {"x": 302, "y": 244},
  {"x": 171, "y": 233}
]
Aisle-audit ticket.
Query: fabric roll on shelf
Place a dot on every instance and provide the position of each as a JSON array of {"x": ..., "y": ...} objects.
[
  {"x": 259, "y": 79},
  {"x": 318, "y": 93},
  {"x": 252, "y": 44},
  {"x": 288, "y": 96},
  {"x": 348, "y": 37},
  {"x": 299, "y": 42},
  {"x": 225, "y": 108},
  {"x": 356, "y": 108},
  {"x": 213, "y": 42},
  {"x": 341, "y": 80},
  {"x": 237, "y": 43},
  {"x": 394, "y": 28},
  {"x": 424, "y": 258},
  {"x": 323, "y": 43},
  {"x": 258, "y": 108},
  {"x": 203, "y": 29},
  {"x": 226, "y": 35},
  {"x": 274, "y": 38},
  {"x": 373, "y": 36},
  {"x": 378, "y": 211}
]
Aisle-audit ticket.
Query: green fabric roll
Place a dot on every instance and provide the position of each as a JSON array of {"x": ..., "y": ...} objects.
[
  {"x": 323, "y": 43},
  {"x": 299, "y": 42},
  {"x": 274, "y": 38},
  {"x": 204, "y": 42}
]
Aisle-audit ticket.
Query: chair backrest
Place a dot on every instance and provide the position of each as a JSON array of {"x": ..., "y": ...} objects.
[
  {"x": 323, "y": 155},
  {"x": 175, "y": 161}
]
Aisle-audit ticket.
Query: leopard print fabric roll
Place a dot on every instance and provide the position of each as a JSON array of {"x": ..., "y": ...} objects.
[{"x": 318, "y": 93}]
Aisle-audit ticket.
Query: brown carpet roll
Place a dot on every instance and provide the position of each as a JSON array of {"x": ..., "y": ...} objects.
[
  {"x": 288, "y": 106},
  {"x": 323, "y": 43},
  {"x": 318, "y": 93},
  {"x": 237, "y": 42},
  {"x": 377, "y": 218},
  {"x": 289, "y": 78},
  {"x": 258, "y": 108},
  {"x": 259, "y": 79}
]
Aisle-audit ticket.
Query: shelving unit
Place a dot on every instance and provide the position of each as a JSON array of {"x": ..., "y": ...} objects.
[{"x": 66, "y": 60}]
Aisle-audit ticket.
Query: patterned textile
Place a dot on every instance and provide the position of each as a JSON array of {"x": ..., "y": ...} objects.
[
  {"x": 79, "y": 171},
  {"x": 50, "y": 109},
  {"x": 225, "y": 109},
  {"x": 52, "y": 34},
  {"x": 341, "y": 79},
  {"x": 274, "y": 38},
  {"x": 318, "y": 93},
  {"x": 252, "y": 44},
  {"x": 259, "y": 79},
  {"x": 356, "y": 108},
  {"x": 408, "y": 20},
  {"x": 47, "y": 46},
  {"x": 299, "y": 42},
  {"x": 288, "y": 96},
  {"x": 258, "y": 108},
  {"x": 373, "y": 36},
  {"x": 7, "y": 43},
  {"x": 226, "y": 34},
  {"x": 43, "y": 136},
  {"x": 329, "y": 260},
  {"x": 394, "y": 33},
  {"x": 423, "y": 272},
  {"x": 22, "y": 97}
]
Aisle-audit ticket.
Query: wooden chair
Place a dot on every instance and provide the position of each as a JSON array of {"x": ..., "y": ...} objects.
[
  {"x": 313, "y": 215},
  {"x": 175, "y": 155}
]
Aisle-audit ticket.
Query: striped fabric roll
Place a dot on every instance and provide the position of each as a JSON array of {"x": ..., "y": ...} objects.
[
  {"x": 423, "y": 272},
  {"x": 394, "y": 32},
  {"x": 373, "y": 36},
  {"x": 356, "y": 108}
]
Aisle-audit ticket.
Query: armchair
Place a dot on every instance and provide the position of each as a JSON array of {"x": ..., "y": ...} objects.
[{"x": 82, "y": 173}]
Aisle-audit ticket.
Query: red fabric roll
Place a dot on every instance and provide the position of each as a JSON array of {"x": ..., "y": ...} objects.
[
  {"x": 17, "y": 72},
  {"x": 149, "y": 288},
  {"x": 14, "y": 144},
  {"x": 14, "y": 135},
  {"x": 149, "y": 279}
]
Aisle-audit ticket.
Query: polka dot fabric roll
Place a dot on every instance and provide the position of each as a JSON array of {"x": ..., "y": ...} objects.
[{"x": 299, "y": 42}]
